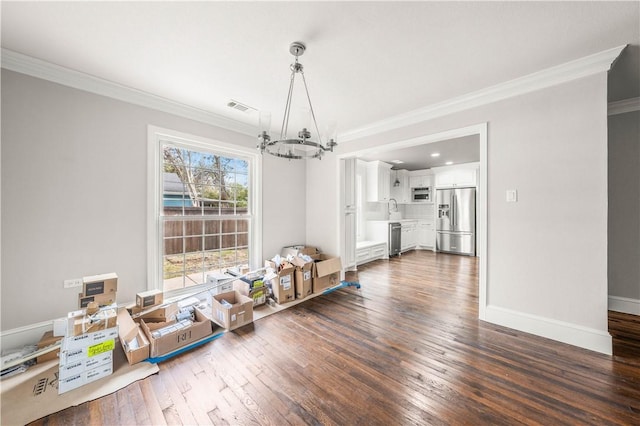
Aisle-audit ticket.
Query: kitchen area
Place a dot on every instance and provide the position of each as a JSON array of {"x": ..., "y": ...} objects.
[{"x": 397, "y": 207}]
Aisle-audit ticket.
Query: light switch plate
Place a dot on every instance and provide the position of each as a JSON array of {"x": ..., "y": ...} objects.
[{"x": 512, "y": 195}]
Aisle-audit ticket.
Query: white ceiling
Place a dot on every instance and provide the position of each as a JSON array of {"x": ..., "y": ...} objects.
[{"x": 365, "y": 61}]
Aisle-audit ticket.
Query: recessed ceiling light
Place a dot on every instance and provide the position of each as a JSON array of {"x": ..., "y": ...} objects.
[
  {"x": 435, "y": 154},
  {"x": 448, "y": 163},
  {"x": 397, "y": 161}
]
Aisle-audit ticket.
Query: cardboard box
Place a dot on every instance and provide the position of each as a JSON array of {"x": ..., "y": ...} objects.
[
  {"x": 48, "y": 339},
  {"x": 103, "y": 299},
  {"x": 178, "y": 338},
  {"x": 162, "y": 314},
  {"x": 86, "y": 340},
  {"x": 302, "y": 277},
  {"x": 134, "y": 341},
  {"x": 326, "y": 272},
  {"x": 72, "y": 368},
  {"x": 80, "y": 322},
  {"x": 296, "y": 249},
  {"x": 68, "y": 356},
  {"x": 80, "y": 379},
  {"x": 282, "y": 285},
  {"x": 149, "y": 298},
  {"x": 258, "y": 293},
  {"x": 232, "y": 309},
  {"x": 100, "y": 284}
]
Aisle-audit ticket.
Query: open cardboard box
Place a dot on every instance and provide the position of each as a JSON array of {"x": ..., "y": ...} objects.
[
  {"x": 177, "y": 339},
  {"x": 236, "y": 312},
  {"x": 134, "y": 342},
  {"x": 299, "y": 249},
  {"x": 326, "y": 272}
]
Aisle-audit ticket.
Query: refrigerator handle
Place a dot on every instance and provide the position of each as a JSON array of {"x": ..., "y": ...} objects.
[{"x": 453, "y": 211}]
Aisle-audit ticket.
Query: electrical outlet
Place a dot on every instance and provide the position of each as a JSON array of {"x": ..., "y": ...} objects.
[{"x": 75, "y": 282}]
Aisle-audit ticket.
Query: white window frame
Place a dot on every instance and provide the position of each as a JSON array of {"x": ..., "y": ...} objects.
[{"x": 156, "y": 136}]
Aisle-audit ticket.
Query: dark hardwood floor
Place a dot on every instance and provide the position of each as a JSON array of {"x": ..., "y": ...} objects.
[{"x": 407, "y": 348}]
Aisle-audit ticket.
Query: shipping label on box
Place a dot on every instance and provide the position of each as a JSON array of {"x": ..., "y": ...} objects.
[
  {"x": 232, "y": 309},
  {"x": 149, "y": 298},
  {"x": 100, "y": 284},
  {"x": 88, "y": 339},
  {"x": 178, "y": 337}
]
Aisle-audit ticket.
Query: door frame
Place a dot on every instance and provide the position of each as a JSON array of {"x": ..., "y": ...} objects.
[{"x": 481, "y": 130}]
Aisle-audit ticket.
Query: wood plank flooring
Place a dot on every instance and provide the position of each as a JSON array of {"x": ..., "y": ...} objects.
[{"x": 407, "y": 348}]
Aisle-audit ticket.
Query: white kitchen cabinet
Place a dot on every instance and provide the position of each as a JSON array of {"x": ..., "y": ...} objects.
[
  {"x": 419, "y": 180},
  {"x": 462, "y": 177},
  {"x": 408, "y": 236},
  {"x": 426, "y": 234},
  {"x": 401, "y": 193},
  {"x": 368, "y": 251},
  {"x": 378, "y": 181}
]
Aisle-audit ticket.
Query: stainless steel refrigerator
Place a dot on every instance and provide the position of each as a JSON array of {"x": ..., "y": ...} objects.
[{"x": 456, "y": 221}]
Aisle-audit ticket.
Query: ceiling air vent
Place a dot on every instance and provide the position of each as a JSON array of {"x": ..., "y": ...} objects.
[{"x": 240, "y": 106}]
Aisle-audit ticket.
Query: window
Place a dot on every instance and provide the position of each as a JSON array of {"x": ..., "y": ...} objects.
[{"x": 204, "y": 214}]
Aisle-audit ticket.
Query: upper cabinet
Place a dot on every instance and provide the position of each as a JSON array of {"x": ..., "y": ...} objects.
[
  {"x": 378, "y": 181},
  {"x": 462, "y": 176},
  {"x": 420, "y": 179},
  {"x": 402, "y": 192}
]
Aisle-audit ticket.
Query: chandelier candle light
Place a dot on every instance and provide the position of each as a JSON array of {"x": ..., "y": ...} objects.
[{"x": 303, "y": 146}]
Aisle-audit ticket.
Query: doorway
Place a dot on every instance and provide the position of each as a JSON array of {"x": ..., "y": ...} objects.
[{"x": 478, "y": 130}]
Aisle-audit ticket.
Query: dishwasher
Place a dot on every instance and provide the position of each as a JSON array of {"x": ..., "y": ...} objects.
[{"x": 395, "y": 231}]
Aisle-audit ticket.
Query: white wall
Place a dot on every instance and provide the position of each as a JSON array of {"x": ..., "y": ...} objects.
[
  {"x": 547, "y": 253},
  {"x": 624, "y": 211},
  {"x": 74, "y": 185},
  {"x": 284, "y": 211}
]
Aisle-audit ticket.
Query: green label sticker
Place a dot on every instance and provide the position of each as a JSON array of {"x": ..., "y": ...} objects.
[{"x": 100, "y": 348}]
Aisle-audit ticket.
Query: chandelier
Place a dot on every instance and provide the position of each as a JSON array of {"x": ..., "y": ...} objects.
[{"x": 303, "y": 146}]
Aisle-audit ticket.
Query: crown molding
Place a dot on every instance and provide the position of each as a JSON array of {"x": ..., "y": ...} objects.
[
  {"x": 572, "y": 70},
  {"x": 33, "y": 67},
  {"x": 583, "y": 67},
  {"x": 626, "y": 105}
]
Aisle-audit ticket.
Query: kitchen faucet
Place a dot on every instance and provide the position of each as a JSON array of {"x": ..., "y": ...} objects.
[{"x": 395, "y": 209}]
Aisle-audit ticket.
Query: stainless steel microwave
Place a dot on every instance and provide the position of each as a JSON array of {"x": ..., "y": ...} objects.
[{"x": 421, "y": 194}]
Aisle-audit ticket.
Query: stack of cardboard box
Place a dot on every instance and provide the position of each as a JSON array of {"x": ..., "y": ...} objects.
[
  {"x": 86, "y": 353},
  {"x": 325, "y": 271},
  {"x": 98, "y": 288}
]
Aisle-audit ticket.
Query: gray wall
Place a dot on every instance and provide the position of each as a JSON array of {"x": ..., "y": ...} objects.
[
  {"x": 74, "y": 188},
  {"x": 547, "y": 253},
  {"x": 624, "y": 205}
]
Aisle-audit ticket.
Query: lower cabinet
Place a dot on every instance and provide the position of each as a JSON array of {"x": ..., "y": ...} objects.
[
  {"x": 367, "y": 252},
  {"x": 408, "y": 237},
  {"x": 426, "y": 235}
]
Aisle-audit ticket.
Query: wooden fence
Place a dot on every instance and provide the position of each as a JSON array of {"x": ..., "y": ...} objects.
[{"x": 198, "y": 234}]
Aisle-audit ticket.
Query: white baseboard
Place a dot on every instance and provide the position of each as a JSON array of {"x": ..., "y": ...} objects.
[
  {"x": 624, "y": 305},
  {"x": 584, "y": 337}
]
